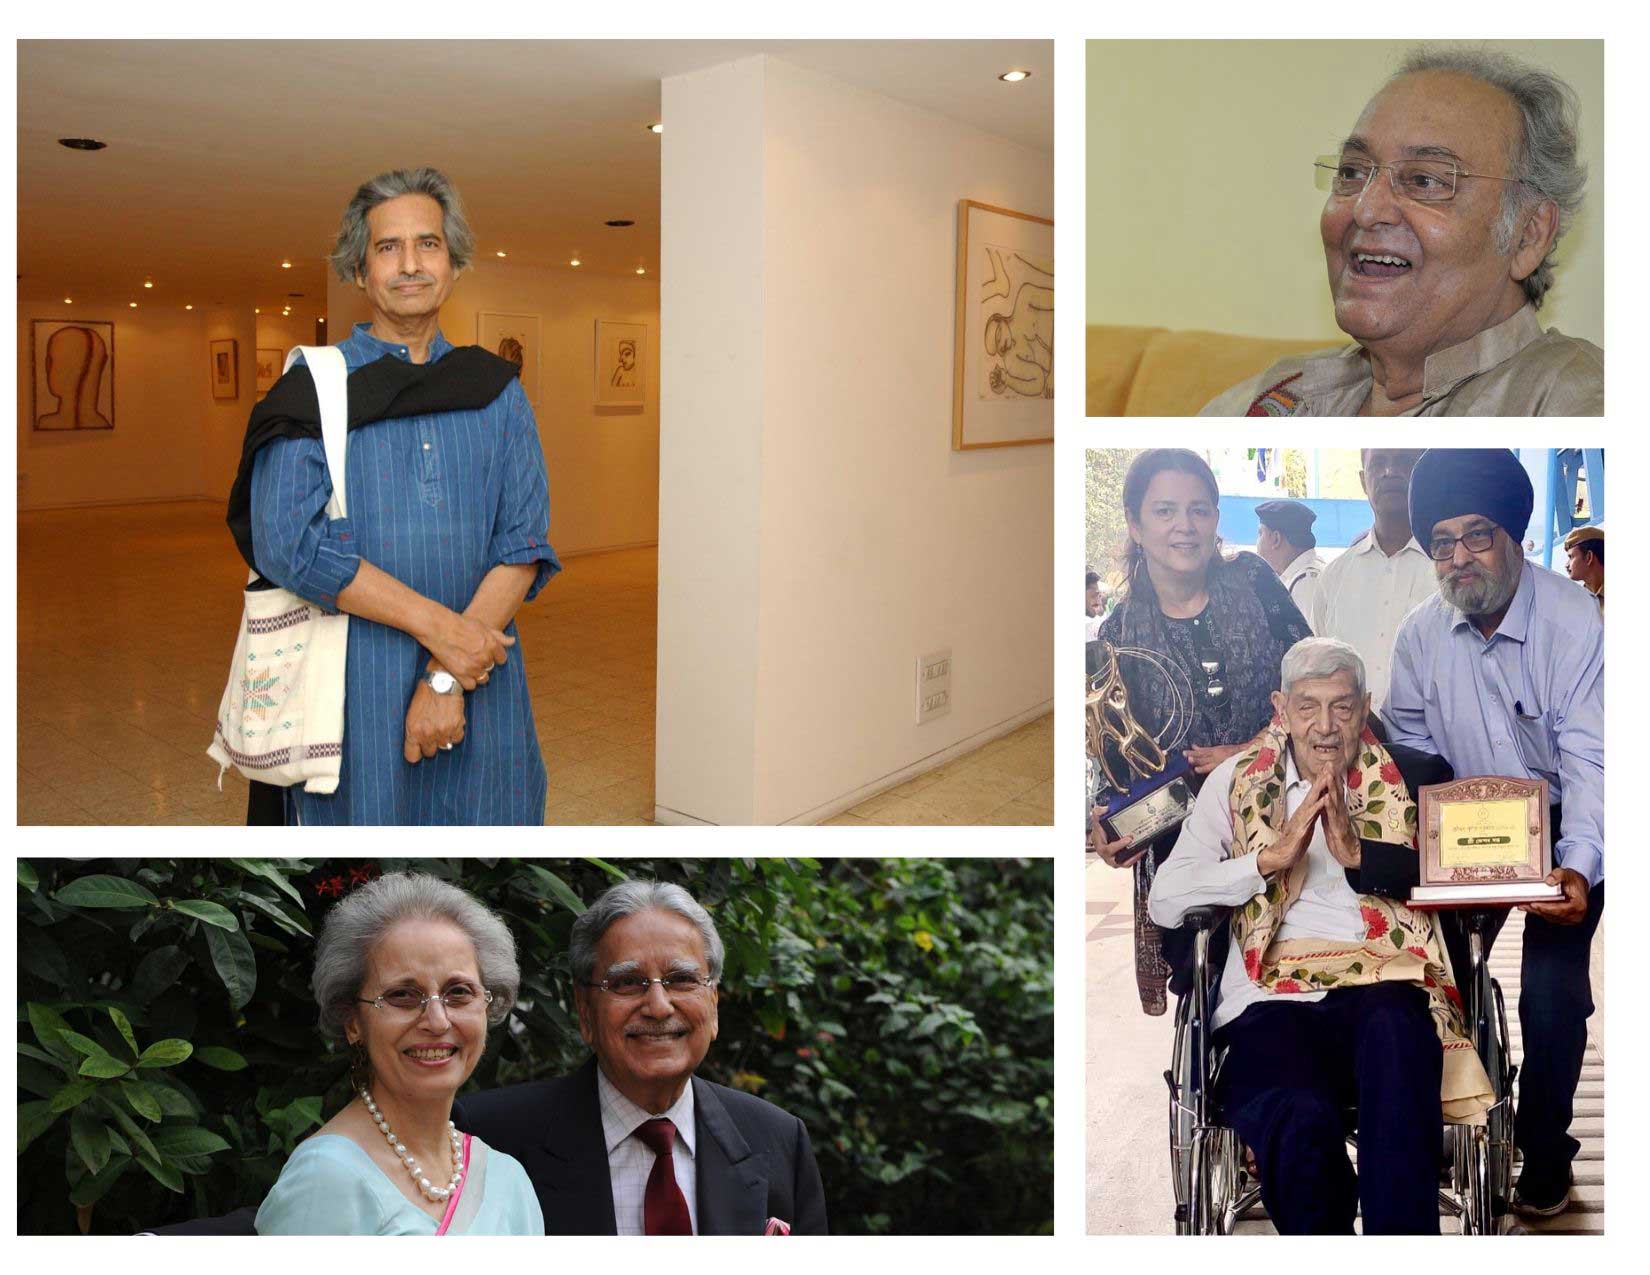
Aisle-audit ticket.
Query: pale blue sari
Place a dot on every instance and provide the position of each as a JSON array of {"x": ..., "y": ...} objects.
[{"x": 331, "y": 1186}]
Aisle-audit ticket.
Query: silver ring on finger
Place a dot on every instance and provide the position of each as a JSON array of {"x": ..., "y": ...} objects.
[{"x": 447, "y": 748}]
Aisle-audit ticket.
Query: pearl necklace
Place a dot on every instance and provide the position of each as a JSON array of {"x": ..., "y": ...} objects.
[{"x": 406, "y": 1157}]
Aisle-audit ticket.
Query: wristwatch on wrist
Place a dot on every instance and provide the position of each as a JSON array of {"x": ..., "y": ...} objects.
[{"x": 441, "y": 682}]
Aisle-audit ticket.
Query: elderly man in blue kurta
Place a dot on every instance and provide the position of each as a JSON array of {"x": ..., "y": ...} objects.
[
  {"x": 1502, "y": 673},
  {"x": 449, "y": 514}
]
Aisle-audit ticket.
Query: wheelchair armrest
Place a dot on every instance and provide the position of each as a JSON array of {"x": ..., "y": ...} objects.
[{"x": 1204, "y": 918}]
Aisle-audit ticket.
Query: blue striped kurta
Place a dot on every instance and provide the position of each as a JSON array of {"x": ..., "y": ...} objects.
[{"x": 437, "y": 502}]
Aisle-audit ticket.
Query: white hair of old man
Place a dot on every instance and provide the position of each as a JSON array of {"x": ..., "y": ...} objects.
[{"x": 1322, "y": 657}]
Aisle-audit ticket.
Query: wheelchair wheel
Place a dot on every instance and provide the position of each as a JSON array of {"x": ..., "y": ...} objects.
[{"x": 1212, "y": 1206}]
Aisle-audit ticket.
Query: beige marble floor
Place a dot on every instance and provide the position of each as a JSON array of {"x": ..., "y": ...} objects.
[{"x": 126, "y": 616}]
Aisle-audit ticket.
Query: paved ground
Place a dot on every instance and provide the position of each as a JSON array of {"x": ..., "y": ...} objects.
[{"x": 1129, "y": 1191}]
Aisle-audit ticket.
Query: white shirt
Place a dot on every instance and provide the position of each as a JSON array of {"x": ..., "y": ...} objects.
[
  {"x": 1300, "y": 577},
  {"x": 1364, "y": 595},
  {"x": 629, "y": 1160},
  {"x": 1199, "y": 872}
]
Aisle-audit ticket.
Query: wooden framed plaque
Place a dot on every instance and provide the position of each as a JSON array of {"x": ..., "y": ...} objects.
[{"x": 1485, "y": 842}]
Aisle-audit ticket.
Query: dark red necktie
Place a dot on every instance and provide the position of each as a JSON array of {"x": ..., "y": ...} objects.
[{"x": 664, "y": 1207}]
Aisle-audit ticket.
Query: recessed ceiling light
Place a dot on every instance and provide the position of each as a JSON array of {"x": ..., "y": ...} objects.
[
  {"x": 82, "y": 143},
  {"x": 641, "y": 269},
  {"x": 68, "y": 300},
  {"x": 655, "y": 128},
  {"x": 575, "y": 263},
  {"x": 132, "y": 304},
  {"x": 286, "y": 265},
  {"x": 148, "y": 283},
  {"x": 188, "y": 307},
  {"x": 255, "y": 310},
  {"x": 1014, "y": 77},
  {"x": 620, "y": 221},
  {"x": 500, "y": 254}
]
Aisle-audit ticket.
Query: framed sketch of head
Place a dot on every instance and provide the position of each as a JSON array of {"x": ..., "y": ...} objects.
[
  {"x": 266, "y": 369},
  {"x": 74, "y": 374},
  {"x": 514, "y": 337},
  {"x": 621, "y": 367},
  {"x": 1003, "y": 376},
  {"x": 223, "y": 366}
]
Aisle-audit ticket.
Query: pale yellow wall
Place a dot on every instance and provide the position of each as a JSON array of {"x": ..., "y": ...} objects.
[{"x": 1202, "y": 211}]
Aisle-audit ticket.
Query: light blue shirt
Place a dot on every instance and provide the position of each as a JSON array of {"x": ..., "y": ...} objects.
[
  {"x": 330, "y": 1186},
  {"x": 1526, "y": 702}
]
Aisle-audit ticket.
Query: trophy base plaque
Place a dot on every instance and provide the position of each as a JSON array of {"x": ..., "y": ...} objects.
[
  {"x": 1485, "y": 843},
  {"x": 1151, "y": 806}
]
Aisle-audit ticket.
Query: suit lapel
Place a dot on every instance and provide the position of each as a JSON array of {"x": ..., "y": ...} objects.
[
  {"x": 574, "y": 1185},
  {"x": 732, "y": 1183}
]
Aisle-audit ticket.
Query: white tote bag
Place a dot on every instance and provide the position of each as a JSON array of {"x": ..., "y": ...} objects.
[{"x": 282, "y": 717}]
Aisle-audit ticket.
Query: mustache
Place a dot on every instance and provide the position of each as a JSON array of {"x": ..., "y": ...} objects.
[{"x": 414, "y": 278}]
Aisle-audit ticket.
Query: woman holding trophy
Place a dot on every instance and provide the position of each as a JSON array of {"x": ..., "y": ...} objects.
[{"x": 1188, "y": 662}]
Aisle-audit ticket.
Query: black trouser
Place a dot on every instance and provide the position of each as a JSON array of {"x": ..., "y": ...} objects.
[{"x": 1294, "y": 1066}]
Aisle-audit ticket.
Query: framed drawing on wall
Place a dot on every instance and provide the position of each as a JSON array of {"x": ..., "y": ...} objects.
[
  {"x": 621, "y": 363},
  {"x": 269, "y": 369},
  {"x": 514, "y": 337},
  {"x": 1003, "y": 376},
  {"x": 226, "y": 375},
  {"x": 74, "y": 374}
]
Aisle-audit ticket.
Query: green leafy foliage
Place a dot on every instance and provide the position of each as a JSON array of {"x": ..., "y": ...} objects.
[{"x": 902, "y": 1008}]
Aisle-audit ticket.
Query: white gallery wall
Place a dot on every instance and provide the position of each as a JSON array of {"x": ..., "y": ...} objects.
[
  {"x": 603, "y": 461},
  {"x": 817, "y": 532},
  {"x": 171, "y": 441}
]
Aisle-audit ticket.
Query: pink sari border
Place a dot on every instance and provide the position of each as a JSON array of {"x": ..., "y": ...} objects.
[{"x": 452, "y": 1204}]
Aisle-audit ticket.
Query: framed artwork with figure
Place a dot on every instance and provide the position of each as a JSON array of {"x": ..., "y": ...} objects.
[
  {"x": 514, "y": 337},
  {"x": 621, "y": 367},
  {"x": 223, "y": 361},
  {"x": 1003, "y": 386},
  {"x": 73, "y": 362}
]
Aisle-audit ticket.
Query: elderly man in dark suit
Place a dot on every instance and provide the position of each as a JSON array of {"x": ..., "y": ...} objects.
[{"x": 633, "y": 1143}]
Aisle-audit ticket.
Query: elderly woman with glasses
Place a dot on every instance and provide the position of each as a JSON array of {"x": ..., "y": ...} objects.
[
  {"x": 410, "y": 972},
  {"x": 1199, "y": 639}
]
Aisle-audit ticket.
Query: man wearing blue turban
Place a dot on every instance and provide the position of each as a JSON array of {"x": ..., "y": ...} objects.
[{"x": 1502, "y": 673}]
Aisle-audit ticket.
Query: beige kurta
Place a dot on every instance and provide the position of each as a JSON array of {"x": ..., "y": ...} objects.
[{"x": 1516, "y": 368}]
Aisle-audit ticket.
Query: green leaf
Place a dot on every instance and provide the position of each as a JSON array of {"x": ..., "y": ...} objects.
[
  {"x": 41, "y": 956},
  {"x": 220, "y": 1057},
  {"x": 236, "y": 965},
  {"x": 105, "y": 892},
  {"x": 27, "y": 877},
  {"x": 165, "y": 1174},
  {"x": 141, "y": 1146},
  {"x": 270, "y": 873},
  {"x": 1374, "y": 807},
  {"x": 49, "y": 1027},
  {"x": 92, "y": 1189},
  {"x": 559, "y": 889},
  {"x": 1376, "y": 788},
  {"x": 618, "y": 874},
  {"x": 33, "y": 1119},
  {"x": 156, "y": 972},
  {"x": 1398, "y": 936},
  {"x": 1372, "y": 830},
  {"x": 140, "y": 1097},
  {"x": 165, "y": 1053},
  {"x": 73, "y": 1094},
  {"x": 105, "y": 1066},
  {"x": 90, "y": 1137},
  {"x": 268, "y": 908},
  {"x": 124, "y": 1027},
  {"x": 205, "y": 910},
  {"x": 182, "y": 1141}
]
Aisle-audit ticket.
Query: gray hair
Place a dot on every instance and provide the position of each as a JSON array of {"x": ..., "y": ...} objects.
[
  {"x": 626, "y": 899},
  {"x": 360, "y": 921},
  {"x": 349, "y": 251},
  {"x": 1545, "y": 159},
  {"x": 1322, "y": 657}
]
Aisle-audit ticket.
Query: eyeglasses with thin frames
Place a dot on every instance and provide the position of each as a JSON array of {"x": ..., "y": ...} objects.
[
  {"x": 1424, "y": 181},
  {"x": 678, "y": 983},
  {"x": 457, "y": 999}
]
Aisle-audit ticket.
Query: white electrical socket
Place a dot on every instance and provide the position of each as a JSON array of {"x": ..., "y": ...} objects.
[{"x": 933, "y": 685}]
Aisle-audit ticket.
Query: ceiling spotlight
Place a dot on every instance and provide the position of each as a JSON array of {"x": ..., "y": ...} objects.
[
  {"x": 286, "y": 265},
  {"x": 1014, "y": 77},
  {"x": 82, "y": 143},
  {"x": 655, "y": 128},
  {"x": 618, "y": 222},
  {"x": 188, "y": 307},
  {"x": 255, "y": 310},
  {"x": 500, "y": 254},
  {"x": 132, "y": 304},
  {"x": 68, "y": 300},
  {"x": 148, "y": 283},
  {"x": 641, "y": 269},
  {"x": 575, "y": 263}
]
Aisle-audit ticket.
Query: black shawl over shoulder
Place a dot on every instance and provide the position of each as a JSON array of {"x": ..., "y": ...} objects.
[{"x": 465, "y": 379}]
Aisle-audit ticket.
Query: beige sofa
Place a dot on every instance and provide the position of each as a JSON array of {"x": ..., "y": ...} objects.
[{"x": 1158, "y": 372}]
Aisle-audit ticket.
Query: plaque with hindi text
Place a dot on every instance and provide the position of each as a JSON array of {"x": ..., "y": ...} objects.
[{"x": 1485, "y": 842}]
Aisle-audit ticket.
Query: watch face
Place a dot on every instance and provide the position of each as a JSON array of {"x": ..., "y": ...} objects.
[{"x": 442, "y": 683}]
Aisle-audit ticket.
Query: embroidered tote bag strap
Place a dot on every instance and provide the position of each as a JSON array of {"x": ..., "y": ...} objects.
[{"x": 331, "y": 376}]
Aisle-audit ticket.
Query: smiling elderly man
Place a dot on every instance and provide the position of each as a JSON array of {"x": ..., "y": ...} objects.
[
  {"x": 633, "y": 1143},
  {"x": 1331, "y": 993},
  {"x": 1446, "y": 204}
]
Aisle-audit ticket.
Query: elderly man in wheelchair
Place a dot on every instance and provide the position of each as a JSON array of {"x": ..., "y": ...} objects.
[{"x": 1334, "y": 997}]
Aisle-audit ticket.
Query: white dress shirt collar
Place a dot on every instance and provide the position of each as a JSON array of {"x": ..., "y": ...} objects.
[{"x": 622, "y": 1117}]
